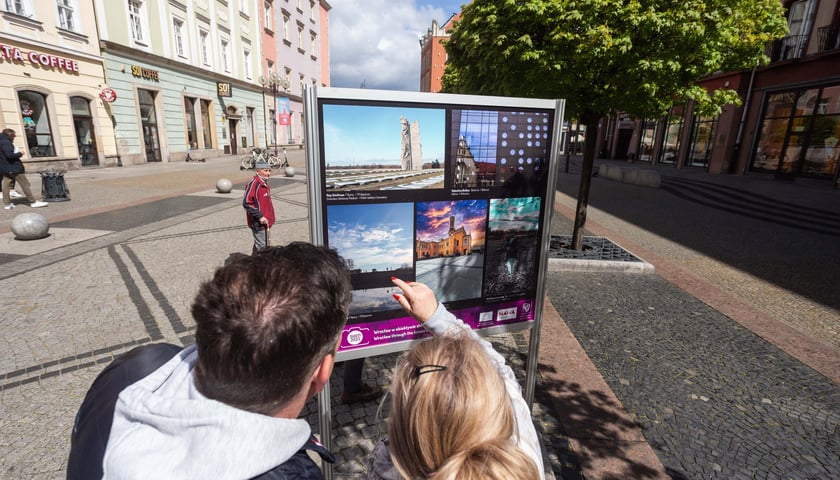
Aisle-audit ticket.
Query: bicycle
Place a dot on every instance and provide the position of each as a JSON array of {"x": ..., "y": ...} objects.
[{"x": 251, "y": 160}]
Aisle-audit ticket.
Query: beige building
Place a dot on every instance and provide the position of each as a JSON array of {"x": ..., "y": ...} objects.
[{"x": 52, "y": 86}]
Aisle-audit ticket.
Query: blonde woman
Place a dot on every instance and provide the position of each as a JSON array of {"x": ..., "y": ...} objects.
[{"x": 457, "y": 411}]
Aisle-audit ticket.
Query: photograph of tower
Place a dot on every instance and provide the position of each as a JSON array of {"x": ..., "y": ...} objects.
[{"x": 383, "y": 148}]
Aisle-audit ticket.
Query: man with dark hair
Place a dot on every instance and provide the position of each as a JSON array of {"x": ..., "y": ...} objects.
[
  {"x": 267, "y": 329},
  {"x": 11, "y": 168}
]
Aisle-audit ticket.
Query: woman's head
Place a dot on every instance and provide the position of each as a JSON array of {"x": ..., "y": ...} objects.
[{"x": 451, "y": 416}]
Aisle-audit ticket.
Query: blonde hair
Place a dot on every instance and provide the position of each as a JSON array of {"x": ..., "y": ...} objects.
[{"x": 454, "y": 422}]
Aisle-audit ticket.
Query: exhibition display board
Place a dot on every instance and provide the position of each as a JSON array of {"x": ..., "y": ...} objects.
[{"x": 453, "y": 191}]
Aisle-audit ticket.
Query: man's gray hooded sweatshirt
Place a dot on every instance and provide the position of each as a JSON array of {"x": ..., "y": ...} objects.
[{"x": 165, "y": 429}]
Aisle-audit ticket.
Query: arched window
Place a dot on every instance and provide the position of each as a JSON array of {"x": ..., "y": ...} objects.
[{"x": 36, "y": 123}]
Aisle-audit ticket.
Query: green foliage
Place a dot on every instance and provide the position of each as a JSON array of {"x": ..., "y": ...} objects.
[{"x": 604, "y": 56}]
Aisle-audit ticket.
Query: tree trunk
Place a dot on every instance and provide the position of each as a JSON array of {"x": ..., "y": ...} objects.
[{"x": 591, "y": 122}]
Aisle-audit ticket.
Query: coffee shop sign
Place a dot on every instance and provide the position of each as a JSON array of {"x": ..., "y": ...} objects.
[{"x": 38, "y": 58}]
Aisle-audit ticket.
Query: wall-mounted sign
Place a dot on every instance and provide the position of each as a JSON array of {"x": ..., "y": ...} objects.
[
  {"x": 146, "y": 73},
  {"x": 108, "y": 94},
  {"x": 224, "y": 90},
  {"x": 38, "y": 58}
]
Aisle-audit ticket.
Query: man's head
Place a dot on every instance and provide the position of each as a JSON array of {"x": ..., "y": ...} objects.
[
  {"x": 265, "y": 323},
  {"x": 263, "y": 169},
  {"x": 9, "y": 133}
]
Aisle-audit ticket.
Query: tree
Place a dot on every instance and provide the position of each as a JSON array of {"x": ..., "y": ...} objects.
[{"x": 606, "y": 56}]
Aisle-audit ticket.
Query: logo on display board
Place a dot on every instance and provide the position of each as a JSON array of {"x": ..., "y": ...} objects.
[
  {"x": 527, "y": 307},
  {"x": 108, "y": 94},
  {"x": 485, "y": 317},
  {"x": 506, "y": 314},
  {"x": 355, "y": 336}
]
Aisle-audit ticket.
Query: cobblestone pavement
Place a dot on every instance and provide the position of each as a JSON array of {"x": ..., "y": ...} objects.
[
  {"x": 69, "y": 309},
  {"x": 714, "y": 399}
]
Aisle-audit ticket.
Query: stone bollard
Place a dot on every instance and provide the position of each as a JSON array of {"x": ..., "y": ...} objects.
[
  {"x": 289, "y": 171},
  {"x": 223, "y": 185},
  {"x": 30, "y": 226}
]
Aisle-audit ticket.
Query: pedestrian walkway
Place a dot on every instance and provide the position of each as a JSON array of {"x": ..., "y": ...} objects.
[
  {"x": 727, "y": 364},
  {"x": 641, "y": 376}
]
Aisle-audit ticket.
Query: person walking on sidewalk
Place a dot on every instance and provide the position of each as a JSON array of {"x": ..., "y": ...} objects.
[
  {"x": 258, "y": 207},
  {"x": 13, "y": 172}
]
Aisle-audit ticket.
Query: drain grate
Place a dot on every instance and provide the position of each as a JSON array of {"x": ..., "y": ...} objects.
[{"x": 594, "y": 248}]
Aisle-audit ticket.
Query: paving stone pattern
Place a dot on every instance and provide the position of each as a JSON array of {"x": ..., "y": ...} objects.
[{"x": 714, "y": 400}]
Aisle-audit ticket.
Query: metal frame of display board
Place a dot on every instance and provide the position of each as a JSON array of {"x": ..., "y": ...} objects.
[{"x": 499, "y": 311}]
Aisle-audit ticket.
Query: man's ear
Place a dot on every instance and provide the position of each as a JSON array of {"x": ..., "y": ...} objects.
[{"x": 321, "y": 375}]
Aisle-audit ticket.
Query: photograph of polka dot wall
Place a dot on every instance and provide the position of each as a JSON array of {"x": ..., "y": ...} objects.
[{"x": 492, "y": 148}]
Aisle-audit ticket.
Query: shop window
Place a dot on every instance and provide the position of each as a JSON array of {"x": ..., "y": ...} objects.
[
  {"x": 671, "y": 138},
  {"x": 702, "y": 138},
  {"x": 646, "y": 139},
  {"x": 207, "y": 129},
  {"x": 189, "y": 119},
  {"x": 36, "y": 123},
  {"x": 798, "y": 133}
]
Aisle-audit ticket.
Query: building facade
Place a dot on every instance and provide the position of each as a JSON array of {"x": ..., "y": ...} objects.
[
  {"x": 433, "y": 54},
  {"x": 788, "y": 123},
  {"x": 457, "y": 243},
  {"x": 302, "y": 42},
  {"x": 184, "y": 75},
  {"x": 51, "y": 83}
]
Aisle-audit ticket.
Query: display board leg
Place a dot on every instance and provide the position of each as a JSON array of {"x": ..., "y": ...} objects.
[{"x": 325, "y": 421}]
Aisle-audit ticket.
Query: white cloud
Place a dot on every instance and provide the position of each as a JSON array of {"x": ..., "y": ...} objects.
[{"x": 378, "y": 42}]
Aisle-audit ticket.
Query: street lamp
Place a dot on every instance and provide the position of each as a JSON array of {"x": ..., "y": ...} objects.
[{"x": 272, "y": 81}]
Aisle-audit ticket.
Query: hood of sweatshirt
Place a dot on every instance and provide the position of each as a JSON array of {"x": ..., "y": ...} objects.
[{"x": 164, "y": 428}]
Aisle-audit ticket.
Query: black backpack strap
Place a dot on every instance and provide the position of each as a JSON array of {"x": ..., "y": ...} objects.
[{"x": 93, "y": 421}]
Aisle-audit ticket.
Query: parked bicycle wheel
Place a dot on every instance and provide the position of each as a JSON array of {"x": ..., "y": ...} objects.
[
  {"x": 273, "y": 161},
  {"x": 247, "y": 163}
]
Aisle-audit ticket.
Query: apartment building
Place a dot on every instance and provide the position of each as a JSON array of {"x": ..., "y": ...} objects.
[
  {"x": 302, "y": 54},
  {"x": 185, "y": 76},
  {"x": 52, "y": 84},
  {"x": 788, "y": 124}
]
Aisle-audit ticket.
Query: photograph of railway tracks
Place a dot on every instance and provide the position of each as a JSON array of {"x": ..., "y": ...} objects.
[{"x": 370, "y": 147}]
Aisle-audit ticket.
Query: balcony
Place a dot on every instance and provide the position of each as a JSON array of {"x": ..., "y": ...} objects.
[
  {"x": 792, "y": 46},
  {"x": 829, "y": 37}
]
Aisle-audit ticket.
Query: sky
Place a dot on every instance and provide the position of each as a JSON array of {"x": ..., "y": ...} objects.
[
  {"x": 377, "y": 42},
  {"x": 378, "y": 139},
  {"x": 376, "y": 236},
  {"x": 433, "y": 219}
]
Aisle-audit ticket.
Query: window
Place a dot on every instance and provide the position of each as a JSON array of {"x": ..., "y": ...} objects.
[
  {"x": 269, "y": 16},
  {"x": 135, "y": 20},
  {"x": 312, "y": 10},
  {"x": 66, "y": 15},
  {"x": 178, "y": 32},
  {"x": 300, "y": 38},
  {"x": 189, "y": 118},
  {"x": 206, "y": 127},
  {"x": 225, "y": 55},
  {"x": 314, "y": 39},
  {"x": 243, "y": 6},
  {"x": 36, "y": 123},
  {"x": 203, "y": 39},
  {"x": 702, "y": 140},
  {"x": 246, "y": 57},
  {"x": 18, "y": 7},
  {"x": 286, "y": 28},
  {"x": 302, "y": 84},
  {"x": 673, "y": 133}
]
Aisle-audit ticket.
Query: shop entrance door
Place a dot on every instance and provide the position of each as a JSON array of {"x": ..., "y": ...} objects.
[
  {"x": 85, "y": 133},
  {"x": 233, "y": 124},
  {"x": 148, "y": 118}
]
